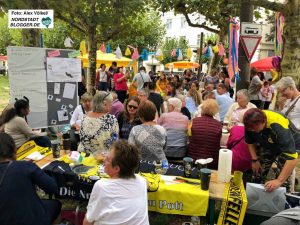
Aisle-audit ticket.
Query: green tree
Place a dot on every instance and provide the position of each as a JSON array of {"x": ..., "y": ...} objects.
[
  {"x": 8, "y": 36},
  {"x": 173, "y": 43},
  {"x": 146, "y": 31},
  {"x": 98, "y": 20},
  {"x": 54, "y": 38}
]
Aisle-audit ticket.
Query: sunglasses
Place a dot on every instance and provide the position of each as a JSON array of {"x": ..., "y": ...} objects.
[{"x": 132, "y": 107}]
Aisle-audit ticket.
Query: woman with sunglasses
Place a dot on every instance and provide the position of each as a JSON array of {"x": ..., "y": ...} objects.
[
  {"x": 129, "y": 118},
  {"x": 98, "y": 128}
]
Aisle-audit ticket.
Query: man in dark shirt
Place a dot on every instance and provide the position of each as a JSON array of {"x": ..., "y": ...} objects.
[{"x": 156, "y": 98}]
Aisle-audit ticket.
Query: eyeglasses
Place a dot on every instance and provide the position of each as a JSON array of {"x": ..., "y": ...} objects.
[{"x": 132, "y": 107}]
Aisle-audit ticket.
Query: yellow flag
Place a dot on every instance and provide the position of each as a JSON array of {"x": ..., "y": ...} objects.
[
  {"x": 127, "y": 52},
  {"x": 82, "y": 47},
  {"x": 189, "y": 53},
  {"x": 215, "y": 49}
]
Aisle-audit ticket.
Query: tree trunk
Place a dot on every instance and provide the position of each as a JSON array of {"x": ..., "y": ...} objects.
[
  {"x": 31, "y": 37},
  {"x": 91, "y": 70},
  {"x": 246, "y": 15},
  {"x": 291, "y": 56}
]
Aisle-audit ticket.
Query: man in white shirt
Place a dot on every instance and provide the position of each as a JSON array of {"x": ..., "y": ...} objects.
[
  {"x": 122, "y": 199},
  {"x": 141, "y": 78}
]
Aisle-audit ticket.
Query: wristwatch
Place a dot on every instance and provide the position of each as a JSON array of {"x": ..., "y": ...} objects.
[{"x": 254, "y": 160}]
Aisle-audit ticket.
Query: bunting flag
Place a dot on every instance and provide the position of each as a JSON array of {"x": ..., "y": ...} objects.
[
  {"x": 209, "y": 52},
  {"x": 118, "y": 53},
  {"x": 204, "y": 50},
  {"x": 233, "y": 67},
  {"x": 159, "y": 54},
  {"x": 68, "y": 42},
  {"x": 221, "y": 49},
  {"x": 173, "y": 53},
  {"x": 102, "y": 48},
  {"x": 279, "y": 18},
  {"x": 82, "y": 47},
  {"x": 108, "y": 48},
  {"x": 215, "y": 49},
  {"x": 180, "y": 56},
  {"x": 189, "y": 53},
  {"x": 135, "y": 54},
  {"x": 177, "y": 52},
  {"x": 144, "y": 55},
  {"x": 127, "y": 52}
]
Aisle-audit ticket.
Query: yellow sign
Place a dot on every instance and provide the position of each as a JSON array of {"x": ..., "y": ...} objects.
[
  {"x": 29, "y": 147},
  {"x": 177, "y": 198},
  {"x": 233, "y": 206}
]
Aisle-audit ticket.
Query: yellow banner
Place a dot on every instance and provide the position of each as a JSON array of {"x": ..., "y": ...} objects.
[
  {"x": 29, "y": 147},
  {"x": 233, "y": 206},
  {"x": 178, "y": 198}
]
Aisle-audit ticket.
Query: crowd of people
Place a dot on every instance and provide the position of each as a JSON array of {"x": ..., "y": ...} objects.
[{"x": 169, "y": 118}]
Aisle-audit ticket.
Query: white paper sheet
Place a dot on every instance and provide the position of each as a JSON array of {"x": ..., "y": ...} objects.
[
  {"x": 63, "y": 70},
  {"x": 56, "y": 88},
  {"x": 58, "y": 99},
  {"x": 69, "y": 91},
  {"x": 62, "y": 115},
  {"x": 35, "y": 156}
]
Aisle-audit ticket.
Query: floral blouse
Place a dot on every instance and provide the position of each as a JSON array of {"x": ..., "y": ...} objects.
[{"x": 97, "y": 134}]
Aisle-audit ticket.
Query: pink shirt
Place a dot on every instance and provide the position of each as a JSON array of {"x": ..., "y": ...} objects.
[{"x": 121, "y": 85}]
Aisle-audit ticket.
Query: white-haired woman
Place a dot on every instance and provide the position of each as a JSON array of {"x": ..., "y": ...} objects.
[
  {"x": 98, "y": 128},
  {"x": 176, "y": 125},
  {"x": 287, "y": 88},
  {"x": 237, "y": 109}
]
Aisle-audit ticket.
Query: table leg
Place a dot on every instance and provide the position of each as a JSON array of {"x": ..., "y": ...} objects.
[{"x": 211, "y": 211}]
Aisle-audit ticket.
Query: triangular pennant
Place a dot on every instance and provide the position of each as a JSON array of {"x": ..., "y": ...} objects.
[
  {"x": 102, "y": 48},
  {"x": 118, "y": 53},
  {"x": 135, "y": 54},
  {"x": 250, "y": 44},
  {"x": 108, "y": 48},
  {"x": 221, "y": 49},
  {"x": 189, "y": 53},
  {"x": 127, "y": 52},
  {"x": 68, "y": 42},
  {"x": 173, "y": 53},
  {"x": 180, "y": 56},
  {"x": 82, "y": 47},
  {"x": 144, "y": 55}
]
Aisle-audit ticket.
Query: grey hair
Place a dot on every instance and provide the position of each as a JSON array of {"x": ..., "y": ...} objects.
[
  {"x": 99, "y": 101},
  {"x": 114, "y": 94},
  {"x": 285, "y": 82},
  {"x": 245, "y": 93},
  {"x": 86, "y": 97},
  {"x": 144, "y": 92}
]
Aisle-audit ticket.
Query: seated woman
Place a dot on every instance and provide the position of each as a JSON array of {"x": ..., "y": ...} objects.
[
  {"x": 77, "y": 117},
  {"x": 206, "y": 134},
  {"x": 149, "y": 137},
  {"x": 129, "y": 118},
  {"x": 98, "y": 128},
  {"x": 193, "y": 100},
  {"x": 176, "y": 125},
  {"x": 240, "y": 107},
  {"x": 20, "y": 203},
  {"x": 15, "y": 124}
]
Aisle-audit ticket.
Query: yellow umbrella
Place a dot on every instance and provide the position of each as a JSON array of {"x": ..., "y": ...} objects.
[
  {"x": 182, "y": 65},
  {"x": 107, "y": 59}
]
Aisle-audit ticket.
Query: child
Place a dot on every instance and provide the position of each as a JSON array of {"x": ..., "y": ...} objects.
[{"x": 267, "y": 92}]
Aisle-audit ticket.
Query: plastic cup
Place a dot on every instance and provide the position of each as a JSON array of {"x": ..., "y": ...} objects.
[
  {"x": 237, "y": 178},
  {"x": 188, "y": 165},
  {"x": 55, "y": 149},
  {"x": 199, "y": 167},
  {"x": 205, "y": 178}
]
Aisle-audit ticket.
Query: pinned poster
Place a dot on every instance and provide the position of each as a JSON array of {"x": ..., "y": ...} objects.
[
  {"x": 63, "y": 69},
  {"x": 74, "y": 54},
  {"x": 56, "y": 88},
  {"x": 62, "y": 115},
  {"x": 69, "y": 90},
  {"x": 54, "y": 53}
]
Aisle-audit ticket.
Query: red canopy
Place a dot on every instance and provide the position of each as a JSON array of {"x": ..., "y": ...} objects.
[
  {"x": 263, "y": 65},
  {"x": 3, "y": 57}
]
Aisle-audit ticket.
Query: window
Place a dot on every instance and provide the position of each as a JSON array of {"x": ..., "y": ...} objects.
[
  {"x": 183, "y": 22},
  {"x": 169, "y": 24}
]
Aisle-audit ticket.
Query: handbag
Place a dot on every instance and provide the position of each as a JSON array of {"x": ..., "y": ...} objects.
[{"x": 291, "y": 107}]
